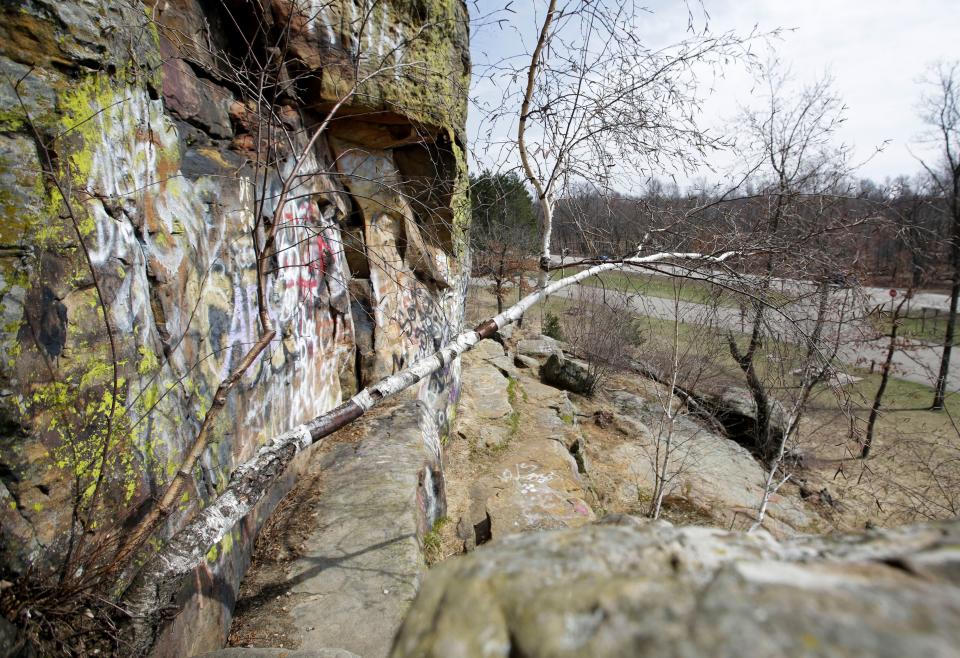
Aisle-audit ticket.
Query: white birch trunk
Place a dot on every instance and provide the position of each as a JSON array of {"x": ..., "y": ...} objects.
[
  {"x": 158, "y": 580},
  {"x": 546, "y": 209}
]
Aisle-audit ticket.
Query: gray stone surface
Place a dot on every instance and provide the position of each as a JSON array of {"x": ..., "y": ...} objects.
[
  {"x": 239, "y": 652},
  {"x": 538, "y": 348},
  {"x": 363, "y": 563},
  {"x": 488, "y": 399},
  {"x": 630, "y": 588},
  {"x": 484, "y": 407},
  {"x": 713, "y": 473},
  {"x": 492, "y": 353},
  {"x": 514, "y": 473},
  {"x": 523, "y": 361},
  {"x": 568, "y": 374},
  {"x": 488, "y": 349}
]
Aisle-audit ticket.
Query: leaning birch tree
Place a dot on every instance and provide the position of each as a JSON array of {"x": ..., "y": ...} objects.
[
  {"x": 158, "y": 580},
  {"x": 594, "y": 94},
  {"x": 801, "y": 175}
]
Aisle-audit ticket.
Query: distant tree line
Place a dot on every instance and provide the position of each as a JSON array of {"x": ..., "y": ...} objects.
[{"x": 906, "y": 242}]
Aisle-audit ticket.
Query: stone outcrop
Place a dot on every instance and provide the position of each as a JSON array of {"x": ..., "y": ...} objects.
[
  {"x": 736, "y": 409},
  {"x": 569, "y": 374},
  {"x": 539, "y": 347},
  {"x": 629, "y": 588},
  {"x": 709, "y": 472},
  {"x": 522, "y": 457},
  {"x": 131, "y": 199},
  {"x": 510, "y": 453}
]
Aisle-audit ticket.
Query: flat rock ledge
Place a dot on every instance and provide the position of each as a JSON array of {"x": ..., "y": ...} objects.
[
  {"x": 362, "y": 563},
  {"x": 240, "y": 652},
  {"x": 626, "y": 587}
]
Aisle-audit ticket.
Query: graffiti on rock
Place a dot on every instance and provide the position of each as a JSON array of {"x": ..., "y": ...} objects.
[{"x": 366, "y": 25}]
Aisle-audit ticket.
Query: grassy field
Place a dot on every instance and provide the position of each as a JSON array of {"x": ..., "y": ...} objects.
[
  {"x": 929, "y": 330},
  {"x": 687, "y": 290},
  {"x": 656, "y": 286}
]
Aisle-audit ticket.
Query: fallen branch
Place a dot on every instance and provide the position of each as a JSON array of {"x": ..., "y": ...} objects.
[{"x": 158, "y": 580}]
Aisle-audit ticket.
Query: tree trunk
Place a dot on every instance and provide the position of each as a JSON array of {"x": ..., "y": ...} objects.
[
  {"x": 884, "y": 378},
  {"x": 544, "y": 192},
  {"x": 546, "y": 209},
  {"x": 948, "y": 338},
  {"x": 762, "y": 442}
]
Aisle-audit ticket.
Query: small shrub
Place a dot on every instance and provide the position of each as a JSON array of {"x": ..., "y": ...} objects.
[
  {"x": 604, "y": 334},
  {"x": 551, "y": 326},
  {"x": 433, "y": 542},
  {"x": 512, "y": 386},
  {"x": 514, "y": 423}
]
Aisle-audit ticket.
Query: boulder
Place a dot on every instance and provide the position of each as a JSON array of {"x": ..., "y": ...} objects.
[
  {"x": 632, "y": 588},
  {"x": 713, "y": 474},
  {"x": 523, "y": 361},
  {"x": 735, "y": 408},
  {"x": 569, "y": 374},
  {"x": 488, "y": 349},
  {"x": 483, "y": 393},
  {"x": 505, "y": 333},
  {"x": 538, "y": 348},
  {"x": 491, "y": 352}
]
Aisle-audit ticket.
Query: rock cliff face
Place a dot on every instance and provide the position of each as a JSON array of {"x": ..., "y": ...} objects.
[{"x": 143, "y": 148}]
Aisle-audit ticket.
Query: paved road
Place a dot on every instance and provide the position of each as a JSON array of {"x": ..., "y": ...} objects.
[
  {"x": 918, "y": 363},
  {"x": 874, "y": 295}
]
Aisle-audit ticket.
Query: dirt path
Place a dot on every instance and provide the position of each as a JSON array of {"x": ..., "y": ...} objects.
[{"x": 260, "y": 618}]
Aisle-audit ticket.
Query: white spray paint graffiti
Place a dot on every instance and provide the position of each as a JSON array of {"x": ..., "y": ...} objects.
[
  {"x": 540, "y": 503},
  {"x": 370, "y": 20},
  {"x": 242, "y": 332},
  {"x": 194, "y": 238},
  {"x": 316, "y": 12}
]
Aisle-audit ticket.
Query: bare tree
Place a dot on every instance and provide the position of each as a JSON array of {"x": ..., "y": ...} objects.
[
  {"x": 816, "y": 361},
  {"x": 885, "y": 372},
  {"x": 597, "y": 103},
  {"x": 940, "y": 108},
  {"x": 802, "y": 174},
  {"x": 683, "y": 373}
]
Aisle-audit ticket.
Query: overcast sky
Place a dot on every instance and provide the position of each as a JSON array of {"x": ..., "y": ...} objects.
[{"x": 876, "y": 51}]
